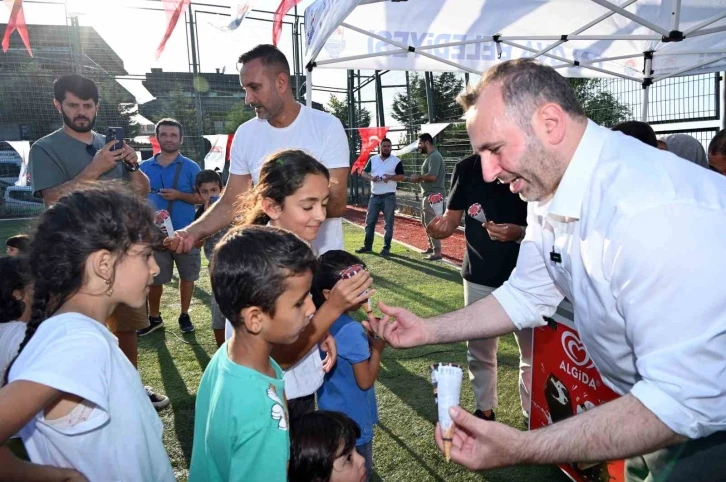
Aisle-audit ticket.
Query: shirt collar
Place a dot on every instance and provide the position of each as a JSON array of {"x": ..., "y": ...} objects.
[
  {"x": 570, "y": 195},
  {"x": 156, "y": 159}
]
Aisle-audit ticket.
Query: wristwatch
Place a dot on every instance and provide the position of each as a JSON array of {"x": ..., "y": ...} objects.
[{"x": 131, "y": 166}]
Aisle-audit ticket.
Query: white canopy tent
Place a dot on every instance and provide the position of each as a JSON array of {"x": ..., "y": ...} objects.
[{"x": 641, "y": 40}]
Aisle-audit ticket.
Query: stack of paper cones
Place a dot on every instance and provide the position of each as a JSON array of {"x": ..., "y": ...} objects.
[{"x": 446, "y": 379}]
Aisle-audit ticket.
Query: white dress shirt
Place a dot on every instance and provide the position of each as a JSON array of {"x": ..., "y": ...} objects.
[{"x": 640, "y": 233}]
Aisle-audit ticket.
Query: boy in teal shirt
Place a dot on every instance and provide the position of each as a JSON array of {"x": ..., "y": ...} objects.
[{"x": 261, "y": 278}]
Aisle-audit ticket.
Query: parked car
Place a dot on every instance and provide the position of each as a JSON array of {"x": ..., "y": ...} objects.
[{"x": 19, "y": 201}]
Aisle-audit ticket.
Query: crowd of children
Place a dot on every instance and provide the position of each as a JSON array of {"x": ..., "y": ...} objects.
[{"x": 69, "y": 390}]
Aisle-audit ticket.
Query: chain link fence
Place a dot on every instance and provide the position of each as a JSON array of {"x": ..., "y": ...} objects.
[{"x": 203, "y": 93}]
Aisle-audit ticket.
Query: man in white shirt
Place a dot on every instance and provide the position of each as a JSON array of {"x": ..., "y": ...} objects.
[
  {"x": 384, "y": 171},
  {"x": 620, "y": 229},
  {"x": 281, "y": 123}
]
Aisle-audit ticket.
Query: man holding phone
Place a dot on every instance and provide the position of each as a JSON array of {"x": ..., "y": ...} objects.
[{"x": 74, "y": 154}]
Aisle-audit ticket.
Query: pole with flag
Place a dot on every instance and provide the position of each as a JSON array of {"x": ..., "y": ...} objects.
[
  {"x": 174, "y": 9},
  {"x": 282, "y": 9},
  {"x": 370, "y": 138},
  {"x": 16, "y": 22}
]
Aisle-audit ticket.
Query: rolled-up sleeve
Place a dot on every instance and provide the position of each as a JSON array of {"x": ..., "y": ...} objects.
[
  {"x": 530, "y": 293},
  {"x": 667, "y": 280}
]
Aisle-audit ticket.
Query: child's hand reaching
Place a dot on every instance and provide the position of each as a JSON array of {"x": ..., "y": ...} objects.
[
  {"x": 350, "y": 292},
  {"x": 376, "y": 343},
  {"x": 328, "y": 345}
]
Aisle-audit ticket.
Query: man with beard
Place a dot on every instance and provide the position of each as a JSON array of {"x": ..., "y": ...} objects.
[
  {"x": 281, "y": 123},
  {"x": 173, "y": 189},
  {"x": 384, "y": 171},
  {"x": 618, "y": 228},
  {"x": 432, "y": 179},
  {"x": 74, "y": 154}
]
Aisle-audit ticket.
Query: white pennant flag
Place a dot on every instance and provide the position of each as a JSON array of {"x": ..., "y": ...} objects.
[
  {"x": 240, "y": 9},
  {"x": 216, "y": 155}
]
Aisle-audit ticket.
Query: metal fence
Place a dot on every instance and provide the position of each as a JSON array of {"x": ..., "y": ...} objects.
[{"x": 196, "y": 83}]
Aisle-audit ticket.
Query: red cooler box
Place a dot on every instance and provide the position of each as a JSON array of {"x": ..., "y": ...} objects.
[{"x": 565, "y": 382}]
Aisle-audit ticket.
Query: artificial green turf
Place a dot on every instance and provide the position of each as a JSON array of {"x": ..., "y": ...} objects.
[{"x": 404, "y": 448}]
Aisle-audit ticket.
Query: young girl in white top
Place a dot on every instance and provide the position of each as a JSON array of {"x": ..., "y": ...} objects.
[
  {"x": 292, "y": 194},
  {"x": 77, "y": 402},
  {"x": 16, "y": 297}
]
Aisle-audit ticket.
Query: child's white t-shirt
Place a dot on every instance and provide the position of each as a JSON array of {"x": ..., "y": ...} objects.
[
  {"x": 11, "y": 336},
  {"x": 121, "y": 439}
]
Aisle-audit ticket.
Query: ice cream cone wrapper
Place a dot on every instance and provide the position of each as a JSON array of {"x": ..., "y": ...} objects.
[
  {"x": 448, "y": 438},
  {"x": 446, "y": 379},
  {"x": 162, "y": 218},
  {"x": 436, "y": 200},
  {"x": 476, "y": 212}
]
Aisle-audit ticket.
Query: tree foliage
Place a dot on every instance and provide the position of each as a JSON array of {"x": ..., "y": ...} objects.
[
  {"x": 339, "y": 108},
  {"x": 600, "y": 105}
]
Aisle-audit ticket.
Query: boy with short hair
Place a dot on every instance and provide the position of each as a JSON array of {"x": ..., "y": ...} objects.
[
  {"x": 261, "y": 278},
  {"x": 17, "y": 245},
  {"x": 209, "y": 187}
]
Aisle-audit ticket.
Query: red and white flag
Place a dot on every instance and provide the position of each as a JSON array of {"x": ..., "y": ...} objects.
[
  {"x": 370, "y": 138},
  {"x": 16, "y": 22},
  {"x": 174, "y": 9},
  {"x": 282, "y": 9}
]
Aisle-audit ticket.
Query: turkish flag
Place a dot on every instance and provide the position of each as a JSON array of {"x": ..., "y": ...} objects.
[
  {"x": 16, "y": 22},
  {"x": 174, "y": 10},
  {"x": 282, "y": 9},
  {"x": 370, "y": 138}
]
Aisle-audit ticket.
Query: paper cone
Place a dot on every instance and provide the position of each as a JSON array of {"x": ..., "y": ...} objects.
[
  {"x": 446, "y": 379},
  {"x": 477, "y": 212},
  {"x": 438, "y": 208}
]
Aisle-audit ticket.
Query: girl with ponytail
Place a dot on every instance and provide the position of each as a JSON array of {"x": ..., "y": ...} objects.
[
  {"x": 292, "y": 194},
  {"x": 73, "y": 396}
]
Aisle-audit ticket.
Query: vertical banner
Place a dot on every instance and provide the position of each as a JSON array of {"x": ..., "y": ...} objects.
[
  {"x": 16, "y": 22},
  {"x": 370, "y": 138},
  {"x": 565, "y": 382},
  {"x": 282, "y": 9},
  {"x": 217, "y": 153},
  {"x": 23, "y": 150},
  {"x": 174, "y": 9},
  {"x": 155, "y": 147}
]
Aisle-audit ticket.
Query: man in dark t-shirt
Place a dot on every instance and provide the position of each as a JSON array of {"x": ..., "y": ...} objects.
[{"x": 492, "y": 247}]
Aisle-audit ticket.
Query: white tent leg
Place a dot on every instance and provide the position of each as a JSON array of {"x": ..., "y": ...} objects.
[
  {"x": 644, "y": 109},
  {"x": 309, "y": 87},
  {"x": 646, "y": 86}
]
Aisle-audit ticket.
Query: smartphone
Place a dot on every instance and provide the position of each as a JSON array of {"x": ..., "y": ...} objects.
[{"x": 115, "y": 134}]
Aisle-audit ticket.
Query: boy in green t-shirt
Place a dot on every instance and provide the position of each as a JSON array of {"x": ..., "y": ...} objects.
[{"x": 261, "y": 279}]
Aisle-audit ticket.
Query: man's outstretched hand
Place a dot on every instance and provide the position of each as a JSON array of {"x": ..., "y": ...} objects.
[
  {"x": 479, "y": 444},
  {"x": 399, "y": 327},
  {"x": 181, "y": 243}
]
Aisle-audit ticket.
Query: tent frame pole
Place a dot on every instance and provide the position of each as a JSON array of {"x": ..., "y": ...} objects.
[{"x": 647, "y": 81}]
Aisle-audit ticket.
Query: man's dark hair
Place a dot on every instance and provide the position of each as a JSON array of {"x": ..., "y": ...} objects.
[
  {"x": 426, "y": 137},
  {"x": 640, "y": 130},
  {"x": 168, "y": 121},
  {"x": 269, "y": 55},
  {"x": 386, "y": 139},
  {"x": 82, "y": 87},
  {"x": 21, "y": 242},
  {"x": 206, "y": 176},
  {"x": 525, "y": 85},
  {"x": 718, "y": 143},
  {"x": 251, "y": 267}
]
